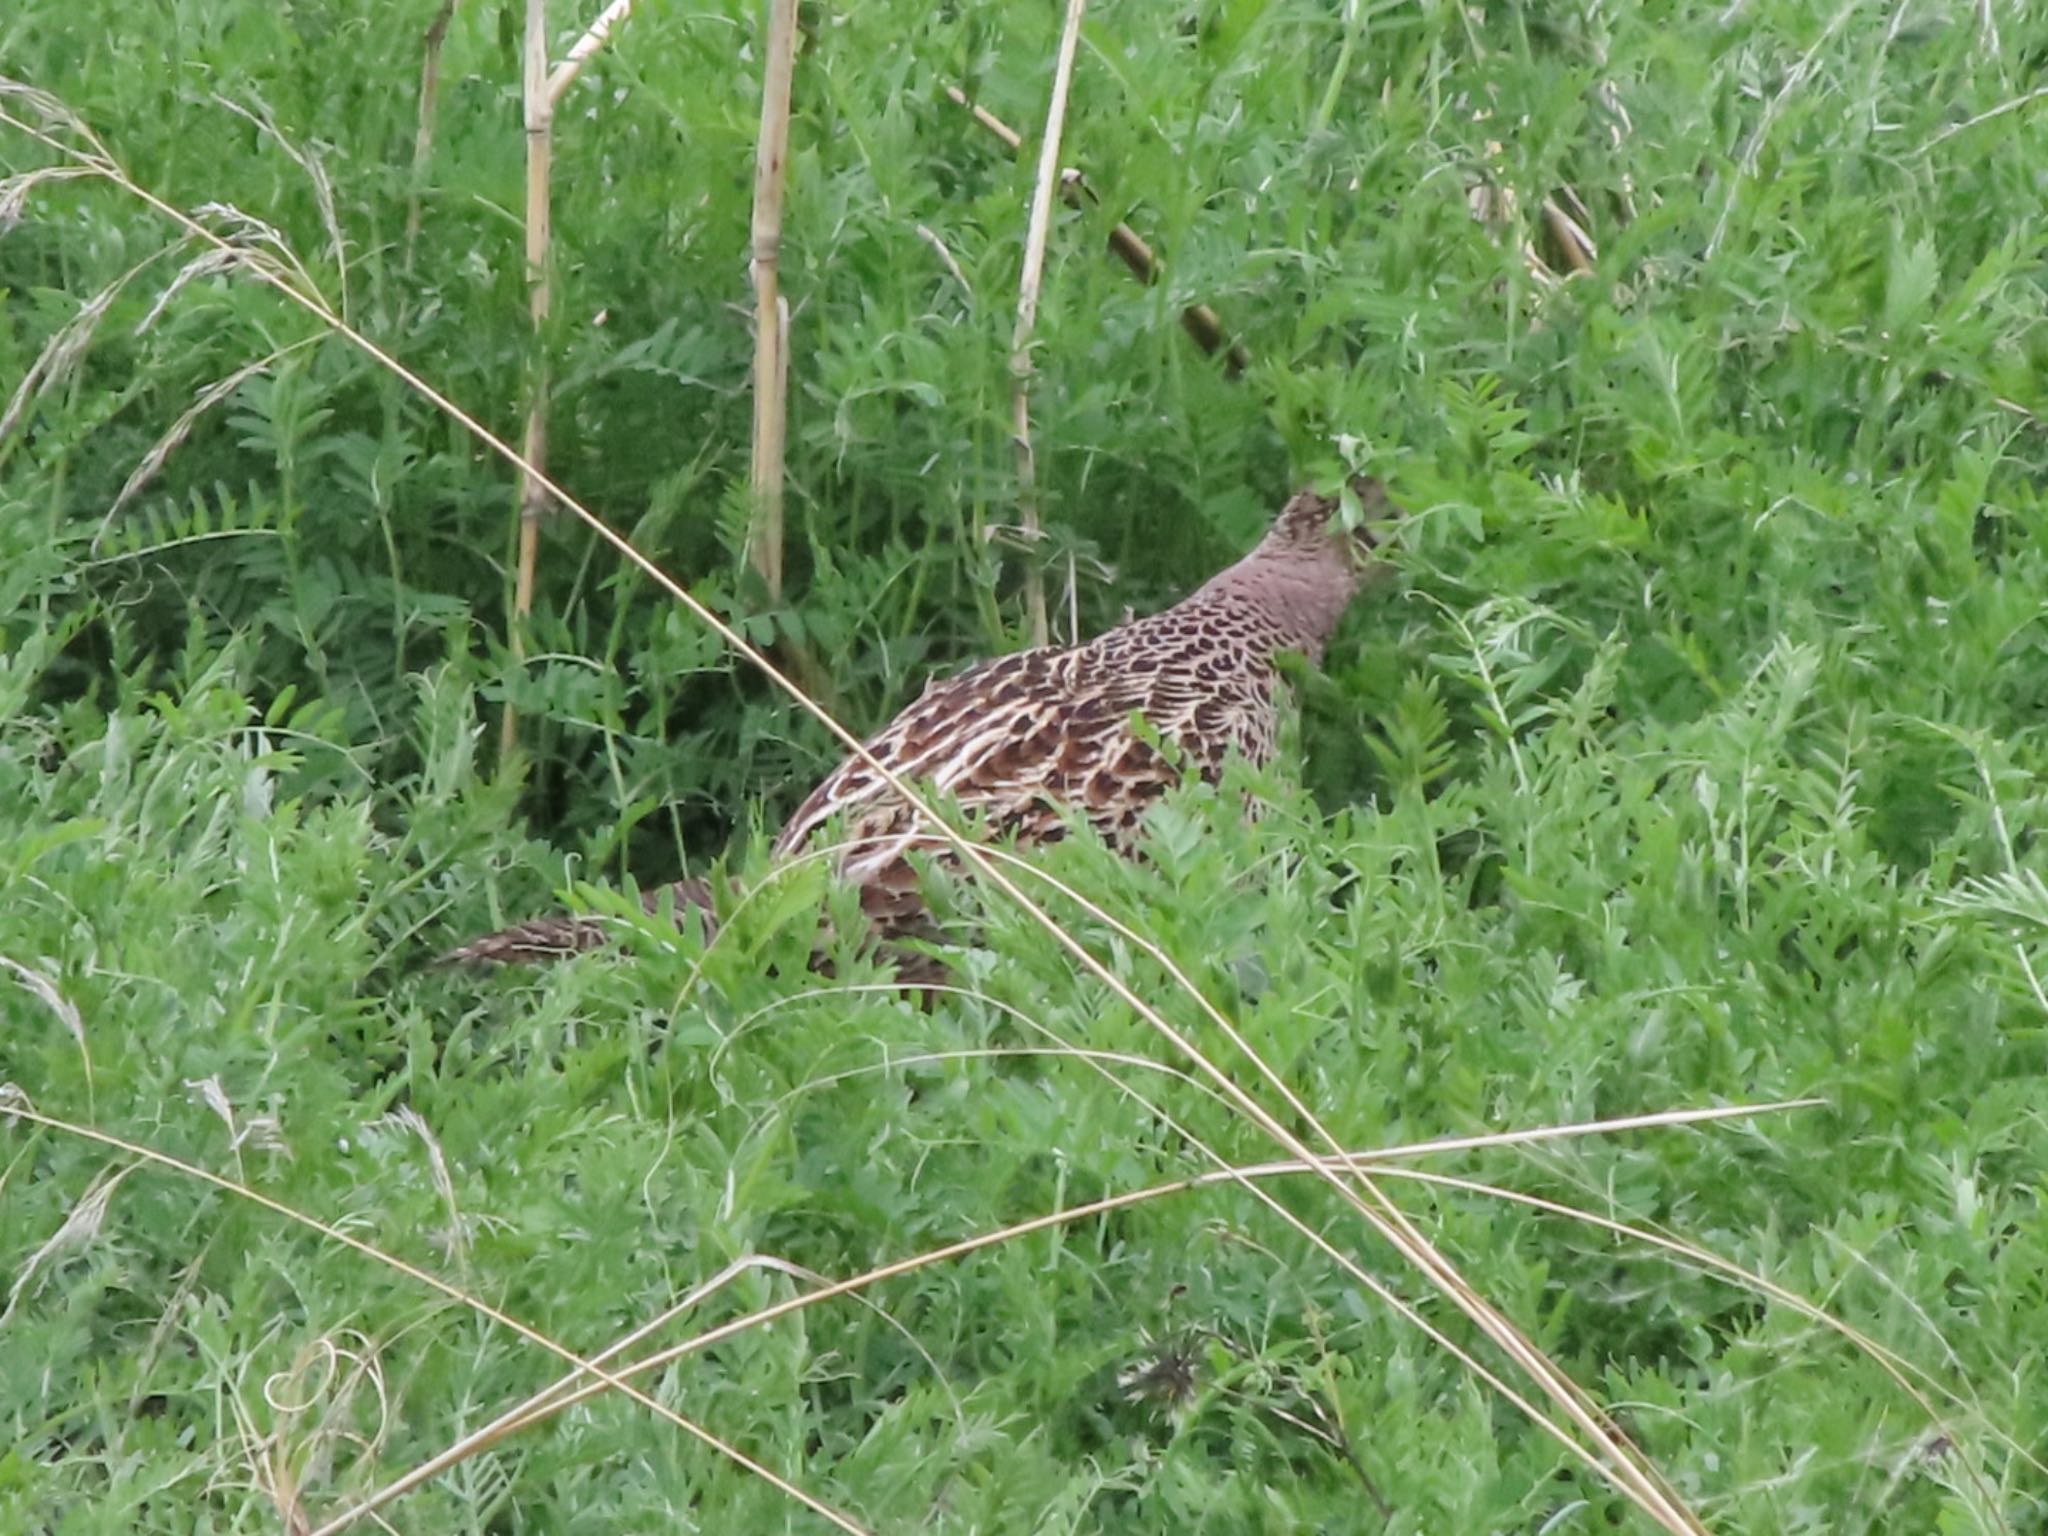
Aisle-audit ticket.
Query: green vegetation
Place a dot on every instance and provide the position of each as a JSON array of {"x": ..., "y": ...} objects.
[{"x": 1697, "y": 759}]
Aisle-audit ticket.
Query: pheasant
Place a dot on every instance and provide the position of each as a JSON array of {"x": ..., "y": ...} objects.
[{"x": 1021, "y": 741}]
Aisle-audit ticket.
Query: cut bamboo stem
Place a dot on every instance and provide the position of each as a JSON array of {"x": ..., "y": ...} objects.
[
  {"x": 771, "y": 346},
  {"x": 1029, "y": 284},
  {"x": 580, "y": 53},
  {"x": 533, "y": 497},
  {"x": 1200, "y": 321}
]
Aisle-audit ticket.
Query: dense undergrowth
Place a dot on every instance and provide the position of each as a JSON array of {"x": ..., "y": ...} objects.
[{"x": 1696, "y": 759}]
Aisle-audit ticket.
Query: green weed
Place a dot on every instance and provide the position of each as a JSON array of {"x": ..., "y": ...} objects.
[{"x": 1697, "y": 760}]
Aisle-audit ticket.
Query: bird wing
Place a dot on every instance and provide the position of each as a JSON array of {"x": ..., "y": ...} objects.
[
  {"x": 1015, "y": 739},
  {"x": 961, "y": 737}
]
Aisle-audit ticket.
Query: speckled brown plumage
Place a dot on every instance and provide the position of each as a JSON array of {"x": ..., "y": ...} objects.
[
  {"x": 557, "y": 936},
  {"x": 1017, "y": 739}
]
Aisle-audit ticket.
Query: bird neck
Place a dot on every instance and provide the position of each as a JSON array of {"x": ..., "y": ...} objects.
[{"x": 1294, "y": 597}]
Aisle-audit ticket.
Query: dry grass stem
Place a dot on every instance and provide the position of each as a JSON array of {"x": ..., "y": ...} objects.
[
  {"x": 1031, "y": 280},
  {"x": 566, "y": 1393},
  {"x": 151, "y": 463},
  {"x": 47, "y": 992},
  {"x": 316, "y": 174},
  {"x": 433, "y": 1282},
  {"x": 2003, "y": 109},
  {"x": 540, "y": 1406},
  {"x": 66, "y": 348},
  {"x": 1252, "y": 1176},
  {"x": 53, "y": 120},
  {"x": 1988, "y": 23},
  {"x": 258, "y": 242},
  {"x": 411, "y": 1121},
  {"x": 1746, "y": 162},
  {"x": 80, "y": 1226},
  {"x": 1612, "y": 1455},
  {"x": 209, "y": 263},
  {"x": 309, "y": 753},
  {"x": 16, "y": 190},
  {"x": 771, "y": 314},
  {"x": 1903, "y": 1372},
  {"x": 431, "y": 43}
]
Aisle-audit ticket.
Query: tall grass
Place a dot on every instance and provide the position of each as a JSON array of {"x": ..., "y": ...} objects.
[{"x": 1695, "y": 764}]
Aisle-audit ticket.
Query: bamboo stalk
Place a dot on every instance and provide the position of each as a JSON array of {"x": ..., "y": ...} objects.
[
  {"x": 580, "y": 53},
  {"x": 1032, "y": 280},
  {"x": 423, "y": 137},
  {"x": 1201, "y": 322},
  {"x": 533, "y": 497},
  {"x": 771, "y": 346}
]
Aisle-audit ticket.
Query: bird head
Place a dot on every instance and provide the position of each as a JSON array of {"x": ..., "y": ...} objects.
[{"x": 1310, "y": 526}]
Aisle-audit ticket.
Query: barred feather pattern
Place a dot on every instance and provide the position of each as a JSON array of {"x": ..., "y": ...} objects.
[
  {"x": 558, "y": 936},
  {"x": 1020, "y": 741}
]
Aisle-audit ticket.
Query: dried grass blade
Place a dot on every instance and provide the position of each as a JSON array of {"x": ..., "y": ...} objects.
[{"x": 606, "y": 1379}]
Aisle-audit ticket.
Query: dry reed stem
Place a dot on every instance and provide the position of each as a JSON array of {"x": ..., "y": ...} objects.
[
  {"x": 987, "y": 119},
  {"x": 1569, "y": 235},
  {"x": 423, "y": 136},
  {"x": 540, "y": 90},
  {"x": 433, "y": 1282},
  {"x": 771, "y": 314},
  {"x": 533, "y": 500},
  {"x": 1605, "y": 1450},
  {"x": 1037, "y": 232},
  {"x": 1201, "y": 322}
]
